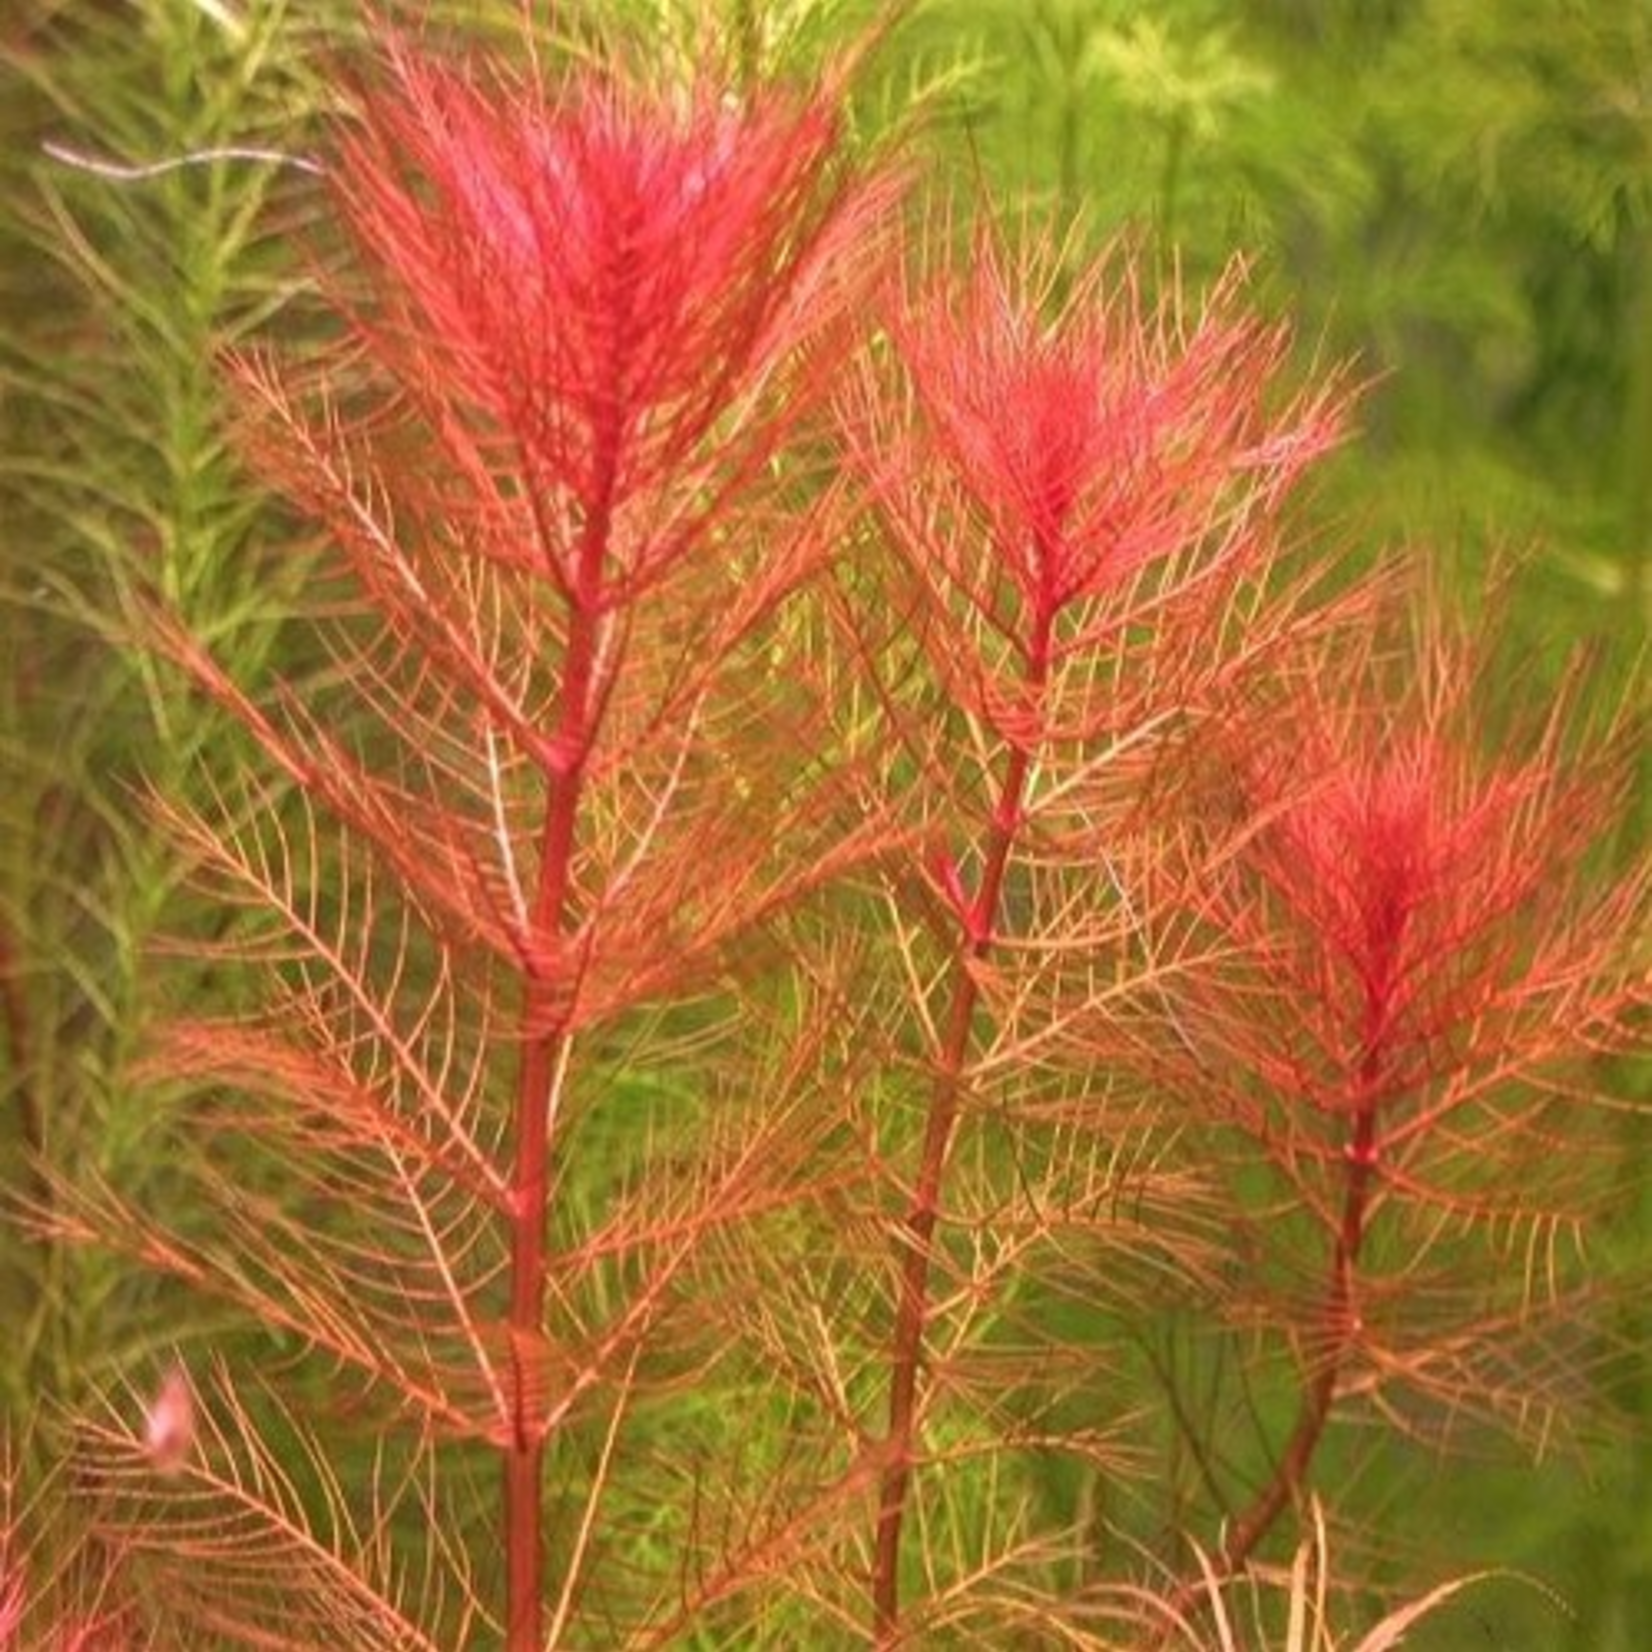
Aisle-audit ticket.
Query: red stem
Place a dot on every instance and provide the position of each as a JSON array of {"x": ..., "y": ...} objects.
[
  {"x": 1336, "y": 1325},
  {"x": 542, "y": 1046},
  {"x": 912, "y": 1310},
  {"x": 1335, "y": 1333}
]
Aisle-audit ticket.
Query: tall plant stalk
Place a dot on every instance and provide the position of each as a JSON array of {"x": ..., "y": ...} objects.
[
  {"x": 543, "y": 1065},
  {"x": 1328, "y": 1350},
  {"x": 978, "y": 926},
  {"x": 1044, "y": 518},
  {"x": 1432, "y": 974},
  {"x": 595, "y": 312}
]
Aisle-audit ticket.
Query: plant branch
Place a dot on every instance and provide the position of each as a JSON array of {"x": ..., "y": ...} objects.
[
  {"x": 1335, "y": 1332},
  {"x": 538, "y": 1079},
  {"x": 1336, "y": 1324},
  {"x": 979, "y": 926}
]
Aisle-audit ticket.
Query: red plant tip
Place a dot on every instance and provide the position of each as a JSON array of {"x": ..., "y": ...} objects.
[
  {"x": 597, "y": 273},
  {"x": 1091, "y": 436},
  {"x": 1420, "y": 902},
  {"x": 1372, "y": 845}
]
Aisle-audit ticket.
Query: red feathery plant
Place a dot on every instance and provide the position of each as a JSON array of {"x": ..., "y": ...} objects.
[
  {"x": 1422, "y": 963},
  {"x": 1083, "y": 491},
  {"x": 559, "y": 767}
]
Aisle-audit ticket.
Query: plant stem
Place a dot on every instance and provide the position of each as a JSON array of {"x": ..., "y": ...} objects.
[
  {"x": 544, "y": 1035},
  {"x": 1336, "y": 1324},
  {"x": 912, "y": 1311}
]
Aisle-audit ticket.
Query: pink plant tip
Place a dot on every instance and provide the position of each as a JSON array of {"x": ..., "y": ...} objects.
[{"x": 169, "y": 1423}]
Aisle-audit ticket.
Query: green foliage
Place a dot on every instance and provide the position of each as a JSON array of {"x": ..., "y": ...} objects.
[
  {"x": 1452, "y": 195},
  {"x": 124, "y": 285}
]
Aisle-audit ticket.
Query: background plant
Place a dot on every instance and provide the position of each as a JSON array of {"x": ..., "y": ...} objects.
[{"x": 118, "y": 484}]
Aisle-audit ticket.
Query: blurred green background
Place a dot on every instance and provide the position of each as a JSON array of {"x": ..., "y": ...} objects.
[{"x": 1450, "y": 196}]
